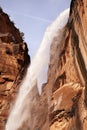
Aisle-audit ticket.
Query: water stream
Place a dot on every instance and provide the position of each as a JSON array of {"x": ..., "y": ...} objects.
[{"x": 36, "y": 72}]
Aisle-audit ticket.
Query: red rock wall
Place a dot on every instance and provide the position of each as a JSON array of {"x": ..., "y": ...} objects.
[
  {"x": 14, "y": 60},
  {"x": 66, "y": 89},
  {"x": 69, "y": 90},
  {"x": 63, "y": 103}
]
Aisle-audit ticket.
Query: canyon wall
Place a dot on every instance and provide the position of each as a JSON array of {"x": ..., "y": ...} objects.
[
  {"x": 63, "y": 103},
  {"x": 68, "y": 102},
  {"x": 14, "y": 60}
]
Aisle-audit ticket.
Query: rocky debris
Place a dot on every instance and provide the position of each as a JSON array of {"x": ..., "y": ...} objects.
[{"x": 14, "y": 60}]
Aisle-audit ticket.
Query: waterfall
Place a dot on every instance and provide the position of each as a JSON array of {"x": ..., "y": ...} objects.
[{"x": 37, "y": 72}]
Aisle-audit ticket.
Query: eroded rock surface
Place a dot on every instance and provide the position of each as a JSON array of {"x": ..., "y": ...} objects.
[
  {"x": 14, "y": 60},
  {"x": 63, "y": 103},
  {"x": 66, "y": 89},
  {"x": 68, "y": 109}
]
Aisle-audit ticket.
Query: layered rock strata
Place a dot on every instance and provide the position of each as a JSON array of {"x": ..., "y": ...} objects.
[{"x": 14, "y": 60}]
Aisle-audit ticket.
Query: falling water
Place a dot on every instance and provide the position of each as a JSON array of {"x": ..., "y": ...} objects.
[{"x": 36, "y": 72}]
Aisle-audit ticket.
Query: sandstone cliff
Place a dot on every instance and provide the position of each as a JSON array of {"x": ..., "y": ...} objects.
[
  {"x": 14, "y": 60},
  {"x": 68, "y": 103},
  {"x": 63, "y": 103}
]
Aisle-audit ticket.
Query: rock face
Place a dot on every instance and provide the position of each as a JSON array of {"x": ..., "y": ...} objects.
[
  {"x": 63, "y": 102},
  {"x": 66, "y": 90},
  {"x": 14, "y": 60},
  {"x": 68, "y": 76}
]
